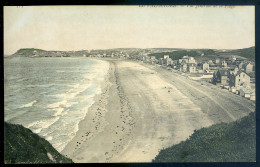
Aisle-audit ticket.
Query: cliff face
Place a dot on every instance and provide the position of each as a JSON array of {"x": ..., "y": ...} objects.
[{"x": 21, "y": 145}]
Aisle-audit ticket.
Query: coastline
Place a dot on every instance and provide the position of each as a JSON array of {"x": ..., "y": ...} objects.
[
  {"x": 92, "y": 123},
  {"x": 103, "y": 135},
  {"x": 133, "y": 130},
  {"x": 142, "y": 110}
]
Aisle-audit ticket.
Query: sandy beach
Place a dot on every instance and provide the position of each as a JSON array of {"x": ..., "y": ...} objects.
[{"x": 144, "y": 108}]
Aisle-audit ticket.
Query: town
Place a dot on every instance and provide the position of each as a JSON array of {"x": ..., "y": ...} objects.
[{"x": 233, "y": 73}]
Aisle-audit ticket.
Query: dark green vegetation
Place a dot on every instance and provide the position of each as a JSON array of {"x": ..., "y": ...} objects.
[
  {"x": 248, "y": 53},
  {"x": 29, "y": 50},
  {"x": 175, "y": 55},
  {"x": 21, "y": 145},
  {"x": 225, "y": 142}
]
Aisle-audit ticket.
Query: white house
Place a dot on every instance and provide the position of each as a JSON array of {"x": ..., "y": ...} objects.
[
  {"x": 192, "y": 68},
  {"x": 192, "y": 60},
  {"x": 184, "y": 67},
  {"x": 187, "y": 59},
  {"x": 210, "y": 62},
  {"x": 249, "y": 68},
  {"x": 205, "y": 66},
  {"x": 232, "y": 58},
  {"x": 217, "y": 60},
  {"x": 224, "y": 63},
  {"x": 166, "y": 56},
  {"x": 240, "y": 80}
]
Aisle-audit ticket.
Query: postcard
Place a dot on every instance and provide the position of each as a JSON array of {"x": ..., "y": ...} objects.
[{"x": 126, "y": 84}]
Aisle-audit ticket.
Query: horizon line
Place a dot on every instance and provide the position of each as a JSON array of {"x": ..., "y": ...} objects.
[{"x": 132, "y": 48}]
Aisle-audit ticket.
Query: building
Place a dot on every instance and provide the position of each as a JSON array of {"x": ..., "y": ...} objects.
[
  {"x": 232, "y": 58},
  {"x": 240, "y": 66},
  {"x": 252, "y": 96},
  {"x": 184, "y": 67},
  {"x": 248, "y": 67},
  {"x": 217, "y": 61},
  {"x": 192, "y": 67},
  {"x": 224, "y": 63},
  {"x": 187, "y": 59},
  {"x": 210, "y": 62},
  {"x": 166, "y": 56},
  {"x": 205, "y": 66},
  {"x": 161, "y": 61},
  {"x": 240, "y": 80},
  {"x": 167, "y": 61},
  {"x": 220, "y": 76},
  {"x": 180, "y": 61},
  {"x": 183, "y": 60},
  {"x": 233, "y": 72},
  {"x": 191, "y": 60},
  {"x": 247, "y": 94},
  {"x": 153, "y": 58}
]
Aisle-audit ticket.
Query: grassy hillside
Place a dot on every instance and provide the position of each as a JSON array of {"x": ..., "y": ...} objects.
[
  {"x": 28, "y": 51},
  {"x": 175, "y": 55},
  {"x": 233, "y": 142},
  {"x": 32, "y": 52},
  {"x": 248, "y": 53},
  {"x": 21, "y": 145}
]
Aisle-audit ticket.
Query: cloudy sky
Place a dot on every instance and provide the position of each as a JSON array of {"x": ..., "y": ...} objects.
[{"x": 102, "y": 27}]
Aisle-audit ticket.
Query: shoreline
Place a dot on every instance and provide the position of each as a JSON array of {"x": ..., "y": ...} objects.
[
  {"x": 142, "y": 110},
  {"x": 85, "y": 133},
  {"x": 102, "y": 134}
]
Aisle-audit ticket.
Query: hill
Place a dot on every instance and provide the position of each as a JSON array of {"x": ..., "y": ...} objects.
[
  {"x": 248, "y": 53},
  {"x": 178, "y": 54},
  {"x": 21, "y": 145},
  {"x": 33, "y": 52},
  {"x": 225, "y": 142},
  {"x": 175, "y": 55}
]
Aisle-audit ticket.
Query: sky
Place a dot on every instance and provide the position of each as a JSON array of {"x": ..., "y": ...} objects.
[{"x": 103, "y": 27}]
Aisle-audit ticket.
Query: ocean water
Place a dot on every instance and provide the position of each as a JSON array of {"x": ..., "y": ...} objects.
[{"x": 51, "y": 96}]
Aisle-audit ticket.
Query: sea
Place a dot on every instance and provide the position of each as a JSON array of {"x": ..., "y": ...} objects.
[{"x": 51, "y": 95}]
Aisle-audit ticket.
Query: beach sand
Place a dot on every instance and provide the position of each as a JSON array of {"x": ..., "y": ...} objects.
[{"x": 143, "y": 109}]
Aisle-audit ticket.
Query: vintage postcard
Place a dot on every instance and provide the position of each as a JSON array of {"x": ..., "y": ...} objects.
[{"x": 123, "y": 84}]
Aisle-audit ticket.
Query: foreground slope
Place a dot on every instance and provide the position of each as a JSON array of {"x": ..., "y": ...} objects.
[
  {"x": 21, "y": 145},
  {"x": 225, "y": 142}
]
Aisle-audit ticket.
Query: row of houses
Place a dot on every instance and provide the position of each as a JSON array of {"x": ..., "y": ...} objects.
[
  {"x": 112, "y": 55},
  {"x": 229, "y": 73},
  {"x": 234, "y": 74},
  {"x": 236, "y": 81},
  {"x": 189, "y": 64}
]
